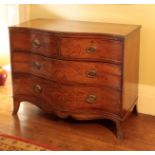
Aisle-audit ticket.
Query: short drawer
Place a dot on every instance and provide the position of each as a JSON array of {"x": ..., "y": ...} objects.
[
  {"x": 94, "y": 73},
  {"x": 68, "y": 97},
  {"x": 92, "y": 48},
  {"x": 34, "y": 41}
]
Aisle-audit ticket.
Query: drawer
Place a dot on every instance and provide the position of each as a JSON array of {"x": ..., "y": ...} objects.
[
  {"x": 34, "y": 41},
  {"x": 67, "y": 97},
  {"x": 97, "y": 74},
  {"x": 92, "y": 48}
]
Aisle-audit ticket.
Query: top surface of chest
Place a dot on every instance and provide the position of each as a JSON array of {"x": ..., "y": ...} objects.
[{"x": 65, "y": 26}]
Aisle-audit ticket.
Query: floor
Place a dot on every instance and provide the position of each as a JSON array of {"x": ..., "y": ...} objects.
[{"x": 31, "y": 123}]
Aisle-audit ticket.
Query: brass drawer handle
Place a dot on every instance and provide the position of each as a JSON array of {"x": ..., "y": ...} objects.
[
  {"x": 36, "y": 43},
  {"x": 90, "y": 99},
  {"x": 36, "y": 65},
  {"x": 91, "y": 49},
  {"x": 37, "y": 89},
  {"x": 91, "y": 73}
]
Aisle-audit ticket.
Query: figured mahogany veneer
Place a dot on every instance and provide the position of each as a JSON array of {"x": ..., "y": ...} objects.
[
  {"x": 34, "y": 41},
  {"x": 73, "y": 98},
  {"x": 97, "y": 74},
  {"x": 80, "y": 69},
  {"x": 92, "y": 48}
]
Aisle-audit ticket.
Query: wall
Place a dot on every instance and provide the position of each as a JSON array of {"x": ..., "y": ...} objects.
[
  {"x": 4, "y": 49},
  {"x": 24, "y": 12},
  {"x": 10, "y": 14},
  {"x": 130, "y": 14}
]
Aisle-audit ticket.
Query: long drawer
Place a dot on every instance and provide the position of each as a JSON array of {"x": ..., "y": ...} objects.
[
  {"x": 34, "y": 41},
  {"x": 73, "y": 98},
  {"x": 92, "y": 48},
  {"x": 97, "y": 74}
]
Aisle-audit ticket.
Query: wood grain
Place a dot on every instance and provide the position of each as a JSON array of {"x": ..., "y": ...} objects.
[
  {"x": 78, "y": 48},
  {"x": 22, "y": 40},
  {"x": 72, "y": 72},
  {"x": 111, "y": 29},
  {"x": 74, "y": 98},
  {"x": 130, "y": 71}
]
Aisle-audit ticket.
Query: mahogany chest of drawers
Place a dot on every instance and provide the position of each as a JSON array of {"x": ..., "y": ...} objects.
[{"x": 84, "y": 70}]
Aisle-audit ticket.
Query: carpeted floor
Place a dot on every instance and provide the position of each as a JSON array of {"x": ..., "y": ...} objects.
[{"x": 11, "y": 143}]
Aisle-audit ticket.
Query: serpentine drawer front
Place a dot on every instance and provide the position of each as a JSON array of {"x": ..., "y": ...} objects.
[
  {"x": 74, "y": 98},
  {"x": 91, "y": 48},
  {"x": 38, "y": 42},
  {"x": 99, "y": 74},
  {"x": 84, "y": 70}
]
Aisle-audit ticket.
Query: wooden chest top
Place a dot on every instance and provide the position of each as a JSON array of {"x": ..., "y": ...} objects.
[{"x": 121, "y": 30}]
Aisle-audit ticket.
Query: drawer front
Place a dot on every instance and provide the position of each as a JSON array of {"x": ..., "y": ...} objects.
[
  {"x": 67, "y": 97},
  {"x": 34, "y": 41},
  {"x": 92, "y": 48},
  {"x": 97, "y": 74}
]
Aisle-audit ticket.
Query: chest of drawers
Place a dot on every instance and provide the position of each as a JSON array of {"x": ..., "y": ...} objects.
[{"x": 84, "y": 70}]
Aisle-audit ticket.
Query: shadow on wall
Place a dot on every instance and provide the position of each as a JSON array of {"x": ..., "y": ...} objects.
[
  {"x": 91, "y": 12},
  {"x": 80, "y": 12},
  {"x": 45, "y": 13}
]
